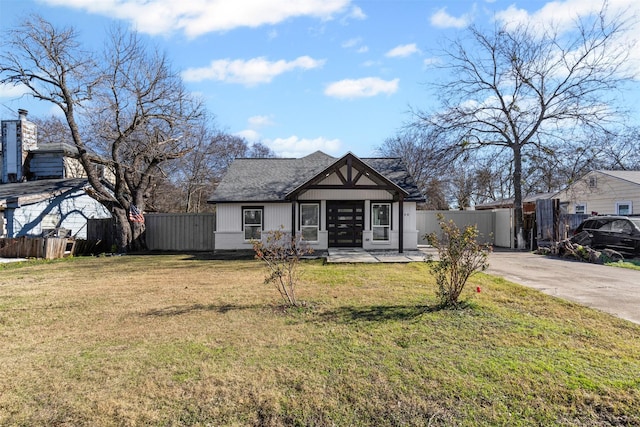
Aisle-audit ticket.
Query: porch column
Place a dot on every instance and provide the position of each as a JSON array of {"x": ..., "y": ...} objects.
[
  {"x": 401, "y": 224},
  {"x": 293, "y": 218}
]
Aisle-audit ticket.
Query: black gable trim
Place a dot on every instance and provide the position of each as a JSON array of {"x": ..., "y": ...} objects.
[{"x": 352, "y": 162}]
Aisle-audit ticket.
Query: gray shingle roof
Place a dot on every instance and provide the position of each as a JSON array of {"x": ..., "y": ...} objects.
[
  {"x": 32, "y": 191},
  {"x": 271, "y": 179}
]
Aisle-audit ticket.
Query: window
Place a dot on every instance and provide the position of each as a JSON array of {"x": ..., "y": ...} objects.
[
  {"x": 309, "y": 221},
  {"x": 593, "y": 182},
  {"x": 624, "y": 208},
  {"x": 380, "y": 221},
  {"x": 252, "y": 224},
  {"x": 581, "y": 208}
]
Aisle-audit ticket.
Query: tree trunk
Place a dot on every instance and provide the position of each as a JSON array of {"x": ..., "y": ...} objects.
[
  {"x": 123, "y": 229},
  {"x": 130, "y": 235},
  {"x": 517, "y": 200},
  {"x": 138, "y": 237}
]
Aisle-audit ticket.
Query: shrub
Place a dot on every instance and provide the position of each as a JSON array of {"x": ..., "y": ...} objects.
[
  {"x": 460, "y": 256},
  {"x": 281, "y": 252}
]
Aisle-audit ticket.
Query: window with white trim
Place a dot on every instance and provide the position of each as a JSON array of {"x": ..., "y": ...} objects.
[
  {"x": 252, "y": 224},
  {"x": 624, "y": 208},
  {"x": 309, "y": 221},
  {"x": 581, "y": 208},
  {"x": 381, "y": 221}
]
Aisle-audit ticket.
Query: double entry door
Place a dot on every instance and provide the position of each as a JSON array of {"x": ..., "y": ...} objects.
[{"x": 345, "y": 222}]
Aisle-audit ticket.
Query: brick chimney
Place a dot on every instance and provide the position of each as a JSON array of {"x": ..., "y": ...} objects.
[{"x": 18, "y": 137}]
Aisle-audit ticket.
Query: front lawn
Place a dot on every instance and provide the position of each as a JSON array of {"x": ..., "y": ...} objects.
[{"x": 176, "y": 340}]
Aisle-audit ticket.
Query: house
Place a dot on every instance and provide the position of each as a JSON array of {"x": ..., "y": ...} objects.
[
  {"x": 42, "y": 186},
  {"x": 59, "y": 206},
  {"x": 368, "y": 203},
  {"x": 528, "y": 203},
  {"x": 603, "y": 192}
]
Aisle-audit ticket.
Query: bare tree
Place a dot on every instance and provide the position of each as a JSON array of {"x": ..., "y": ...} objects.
[
  {"x": 428, "y": 159},
  {"x": 139, "y": 112},
  {"x": 197, "y": 174},
  {"x": 621, "y": 149},
  {"x": 530, "y": 87}
]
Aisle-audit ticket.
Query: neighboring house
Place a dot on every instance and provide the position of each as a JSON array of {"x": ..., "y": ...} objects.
[
  {"x": 60, "y": 206},
  {"x": 603, "y": 192},
  {"x": 528, "y": 203},
  {"x": 42, "y": 187},
  {"x": 346, "y": 202}
]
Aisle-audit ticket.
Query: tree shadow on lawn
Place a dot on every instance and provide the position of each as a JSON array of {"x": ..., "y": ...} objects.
[
  {"x": 177, "y": 310},
  {"x": 377, "y": 313}
]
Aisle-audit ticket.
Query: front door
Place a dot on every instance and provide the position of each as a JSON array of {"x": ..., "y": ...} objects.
[{"x": 345, "y": 221}]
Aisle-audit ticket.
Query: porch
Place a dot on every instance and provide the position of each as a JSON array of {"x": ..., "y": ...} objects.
[{"x": 359, "y": 255}]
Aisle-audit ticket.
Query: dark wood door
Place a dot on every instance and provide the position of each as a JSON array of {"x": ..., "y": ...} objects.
[{"x": 345, "y": 221}]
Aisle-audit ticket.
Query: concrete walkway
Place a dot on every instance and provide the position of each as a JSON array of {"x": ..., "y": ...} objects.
[{"x": 359, "y": 255}]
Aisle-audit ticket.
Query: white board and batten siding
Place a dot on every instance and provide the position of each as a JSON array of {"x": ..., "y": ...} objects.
[
  {"x": 229, "y": 234},
  {"x": 348, "y": 194},
  {"x": 180, "y": 232},
  {"x": 278, "y": 215}
]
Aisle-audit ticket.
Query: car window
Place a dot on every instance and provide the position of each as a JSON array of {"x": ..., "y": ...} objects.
[
  {"x": 605, "y": 226},
  {"x": 591, "y": 225},
  {"x": 618, "y": 226},
  {"x": 636, "y": 222}
]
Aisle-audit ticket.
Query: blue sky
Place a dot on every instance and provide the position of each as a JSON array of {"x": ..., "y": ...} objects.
[{"x": 300, "y": 75}]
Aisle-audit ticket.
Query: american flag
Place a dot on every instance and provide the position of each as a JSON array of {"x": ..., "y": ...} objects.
[{"x": 135, "y": 215}]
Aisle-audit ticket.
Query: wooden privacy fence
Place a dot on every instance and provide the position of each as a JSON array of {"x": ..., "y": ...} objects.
[
  {"x": 552, "y": 224},
  {"x": 36, "y": 247}
]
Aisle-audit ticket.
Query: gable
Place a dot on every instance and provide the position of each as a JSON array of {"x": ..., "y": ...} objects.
[{"x": 352, "y": 174}]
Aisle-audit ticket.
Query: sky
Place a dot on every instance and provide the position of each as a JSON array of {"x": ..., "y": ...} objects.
[{"x": 301, "y": 75}]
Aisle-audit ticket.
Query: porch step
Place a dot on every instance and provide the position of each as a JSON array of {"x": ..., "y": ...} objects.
[
  {"x": 354, "y": 255},
  {"x": 359, "y": 255}
]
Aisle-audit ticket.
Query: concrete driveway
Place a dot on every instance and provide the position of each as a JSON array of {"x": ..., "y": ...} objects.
[{"x": 610, "y": 289}]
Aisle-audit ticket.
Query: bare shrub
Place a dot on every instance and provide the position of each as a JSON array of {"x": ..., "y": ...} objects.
[
  {"x": 460, "y": 256},
  {"x": 281, "y": 252}
]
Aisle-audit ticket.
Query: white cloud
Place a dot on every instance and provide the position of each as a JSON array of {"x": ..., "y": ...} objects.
[
  {"x": 442, "y": 19},
  {"x": 295, "y": 146},
  {"x": 360, "y": 88},
  {"x": 250, "y": 135},
  {"x": 430, "y": 62},
  {"x": 355, "y": 43},
  {"x": 357, "y": 13},
  {"x": 351, "y": 42},
  {"x": 13, "y": 91},
  {"x": 251, "y": 72},
  {"x": 402, "y": 51},
  {"x": 563, "y": 14},
  {"x": 259, "y": 121},
  {"x": 197, "y": 17}
]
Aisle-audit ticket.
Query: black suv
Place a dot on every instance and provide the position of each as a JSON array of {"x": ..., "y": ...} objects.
[{"x": 620, "y": 233}]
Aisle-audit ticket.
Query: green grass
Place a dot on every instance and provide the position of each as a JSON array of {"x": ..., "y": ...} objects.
[
  {"x": 176, "y": 340},
  {"x": 633, "y": 264}
]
